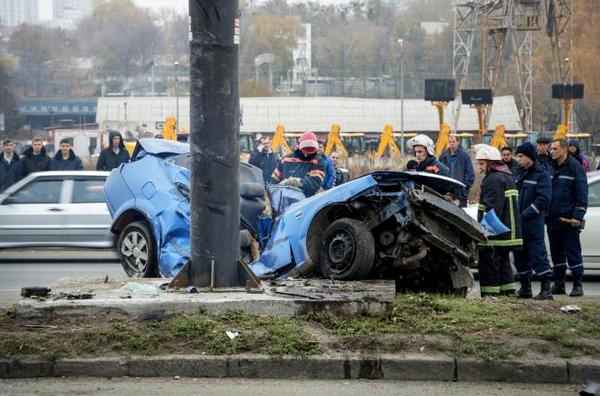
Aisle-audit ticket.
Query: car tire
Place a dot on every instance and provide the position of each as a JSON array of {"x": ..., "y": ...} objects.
[
  {"x": 137, "y": 250},
  {"x": 347, "y": 251}
]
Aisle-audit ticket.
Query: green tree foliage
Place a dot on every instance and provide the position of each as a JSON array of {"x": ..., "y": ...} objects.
[{"x": 122, "y": 38}]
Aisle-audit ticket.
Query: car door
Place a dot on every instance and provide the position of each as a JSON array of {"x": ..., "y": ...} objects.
[
  {"x": 87, "y": 219},
  {"x": 589, "y": 237},
  {"x": 33, "y": 215}
]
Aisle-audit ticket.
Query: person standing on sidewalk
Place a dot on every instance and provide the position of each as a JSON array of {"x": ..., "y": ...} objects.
[
  {"x": 10, "y": 165},
  {"x": 264, "y": 158},
  {"x": 35, "y": 158},
  {"x": 565, "y": 217},
  {"x": 498, "y": 192},
  {"x": 535, "y": 191},
  {"x": 65, "y": 158},
  {"x": 114, "y": 155},
  {"x": 461, "y": 167}
]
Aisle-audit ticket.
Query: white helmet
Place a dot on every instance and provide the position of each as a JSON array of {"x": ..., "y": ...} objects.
[
  {"x": 422, "y": 140},
  {"x": 487, "y": 152}
]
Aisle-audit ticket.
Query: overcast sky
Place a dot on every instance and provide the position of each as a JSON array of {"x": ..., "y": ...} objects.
[{"x": 181, "y": 5}]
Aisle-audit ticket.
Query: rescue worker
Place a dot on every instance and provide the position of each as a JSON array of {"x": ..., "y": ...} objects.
[
  {"x": 114, "y": 155},
  {"x": 535, "y": 191},
  {"x": 264, "y": 157},
  {"x": 424, "y": 149},
  {"x": 65, "y": 158},
  {"x": 460, "y": 166},
  {"x": 304, "y": 168},
  {"x": 565, "y": 217},
  {"x": 543, "y": 152},
  {"x": 498, "y": 192}
]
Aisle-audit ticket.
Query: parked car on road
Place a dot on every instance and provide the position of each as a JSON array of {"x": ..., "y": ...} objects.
[
  {"x": 590, "y": 246},
  {"x": 398, "y": 225},
  {"x": 56, "y": 209}
]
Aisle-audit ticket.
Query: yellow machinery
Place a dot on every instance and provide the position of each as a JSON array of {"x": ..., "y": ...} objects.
[
  {"x": 334, "y": 140},
  {"x": 499, "y": 138},
  {"x": 386, "y": 141},
  {"x": 442, "y": 141},
  {"x": 279, "y": 142},
  {"x": 169, "y": 129}
]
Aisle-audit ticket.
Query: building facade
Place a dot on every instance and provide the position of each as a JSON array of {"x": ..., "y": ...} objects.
[{"x": 16, "y": 12}]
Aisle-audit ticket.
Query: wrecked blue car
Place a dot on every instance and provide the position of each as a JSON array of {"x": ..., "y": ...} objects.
[
  {"x": 394, "y": 225},
  {"x": 149, "y": 201}
]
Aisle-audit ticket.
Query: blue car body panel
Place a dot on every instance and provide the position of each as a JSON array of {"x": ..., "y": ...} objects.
[
  {"x": 287, "y": 248},
  {"x": 166, "y": 209}
]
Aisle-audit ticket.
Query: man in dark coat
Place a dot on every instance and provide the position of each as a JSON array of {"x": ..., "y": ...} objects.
[
  {"x": 535, "y": 191},
  {"x": 507, "y": 158},
  {"x": 65, "y": 158},
  {"x": 565, "y": 217},
  {"x": 461, "y": 167},
  {"x": 498, "y": 192},
  {"x": 304, "y": 168},
  {"x": 543, "y": 152},
  {"x": 10, "y": 165},
  {"x": 35, "y": 158},
  {"x": 264, "y": 158},
  {"x": 114, "y": 155}
]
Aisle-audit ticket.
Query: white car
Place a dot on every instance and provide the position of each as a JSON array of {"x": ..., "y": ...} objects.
[
  {"x": 56, "y": 209},
  {"x": 589, "y": 236}
]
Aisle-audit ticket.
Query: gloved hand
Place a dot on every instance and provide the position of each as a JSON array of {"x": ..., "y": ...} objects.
[{"x": 292, "y": 182}]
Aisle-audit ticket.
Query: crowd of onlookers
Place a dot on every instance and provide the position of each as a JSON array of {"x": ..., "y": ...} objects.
[{"x": 35, "y": 159}]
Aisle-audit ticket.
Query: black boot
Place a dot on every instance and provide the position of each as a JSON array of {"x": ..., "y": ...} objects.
[
  {"x": 559, "y": 287},
  {"x": 546, "y": 292},
  {"x": 525, "y": 289},
  {"x": 577, "y": 288}
]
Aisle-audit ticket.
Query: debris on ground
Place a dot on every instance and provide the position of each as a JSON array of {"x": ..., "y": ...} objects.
[
  {"x": 35, "y": 291},
  {"x": 570, "y": 309},
  {"x": 140, "y": 288}
]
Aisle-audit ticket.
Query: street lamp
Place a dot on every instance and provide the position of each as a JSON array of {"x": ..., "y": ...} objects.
[
  {"x": 176, "y": 64},
  {"x": 401, "y": 44}
]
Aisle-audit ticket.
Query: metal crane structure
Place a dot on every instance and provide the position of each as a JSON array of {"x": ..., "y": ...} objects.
[{"x": 512, "y": 21}]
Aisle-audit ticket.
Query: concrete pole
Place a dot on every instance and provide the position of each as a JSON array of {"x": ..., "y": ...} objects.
[
  {"x": 214, "y": 127},
  {"x": 176, "y": 64}
]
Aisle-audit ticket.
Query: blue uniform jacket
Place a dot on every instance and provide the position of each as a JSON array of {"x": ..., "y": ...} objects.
[
  {"x": 535, "y": 192},
  {"x": 310, "y": 170},
  {"x": 569, "y": 193},
  {"x": 329, "y": 173},
  {"x": 462, "y": 169},
  {"x": 71, "y": 163}
]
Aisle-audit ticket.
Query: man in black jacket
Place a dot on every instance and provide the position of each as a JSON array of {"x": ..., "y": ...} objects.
[
  {"x": 565, "y": 217},
  {"x": 10, "y": 165},
  {"x": 35, "y": 158},
  {"x": 65, "y": 158},
  {"x": 264, "y": 158},
  {"x": 114, "y": 155}
]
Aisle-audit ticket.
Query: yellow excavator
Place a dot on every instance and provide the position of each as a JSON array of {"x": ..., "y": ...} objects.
[
  {"x": 387, "y": 143},
  {"x": 279, "y": 141},
  {"x": 334, "y": 141},
  {"x": 499, "y": 138}
]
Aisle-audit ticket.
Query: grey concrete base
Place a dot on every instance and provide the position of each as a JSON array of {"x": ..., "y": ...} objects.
[
  {"x": 388, "y": 367},
  {"x": 286, "y": 299}
]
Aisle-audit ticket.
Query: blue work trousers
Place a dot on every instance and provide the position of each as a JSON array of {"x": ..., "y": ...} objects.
[
  {"x": 565, "y": 248},
  {"x": 533, "y": 257}
]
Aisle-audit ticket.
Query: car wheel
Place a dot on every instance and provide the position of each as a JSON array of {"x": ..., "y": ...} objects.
[
  {"x": 347, "y": 251},
  {"x": 137, "y": 251}
]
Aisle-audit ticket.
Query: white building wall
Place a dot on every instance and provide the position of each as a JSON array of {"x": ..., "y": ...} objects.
[{"x": 16, "y": 12}]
